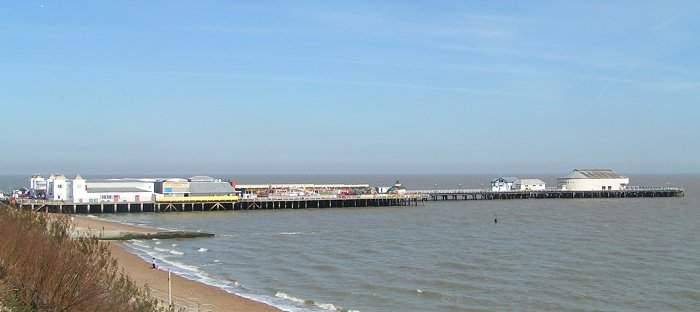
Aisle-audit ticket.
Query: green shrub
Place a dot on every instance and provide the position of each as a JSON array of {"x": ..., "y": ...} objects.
[{"x": 43, "y": 269}]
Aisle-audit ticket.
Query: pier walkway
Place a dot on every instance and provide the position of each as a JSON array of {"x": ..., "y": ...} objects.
[
  {"x": 162, "y": 205},
  {"x": 410, "y": 198},
  {"x": 479, "y": 194}
]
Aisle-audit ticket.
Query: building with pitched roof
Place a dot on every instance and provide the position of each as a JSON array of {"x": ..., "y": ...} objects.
[
  {"x": 529, "y": 185},
  {"x": 503, "y": 184},
  {"x": 593, "y": 180}
]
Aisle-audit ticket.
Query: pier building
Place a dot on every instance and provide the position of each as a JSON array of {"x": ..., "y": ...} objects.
[
  {"x": 503, "y": 184},
  {"x": 593, "y": 180},
  {"x": 529, "y": 185},
  {"x": 172, "y": 187},
  {"x": 38, "y": 184},
  {"x": 196, "y": 186},
  {"x": 301, "y": 189},
  {"x": 57, "y": 187}
]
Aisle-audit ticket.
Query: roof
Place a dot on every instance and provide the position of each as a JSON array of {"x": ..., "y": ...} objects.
[
  {"x": 505, "y": 179},
  {"x": 211, "y": 188},
  {"x": 116, "y": 190},
  {"x": 266, "y": 186},
  {"x": 175, "y": 180},
  {"x": 593, "y": 174},
  {"x": 530, "y": 181},
  {"x": 144, "y": 180},
  {"x": 202, "y": 179}
]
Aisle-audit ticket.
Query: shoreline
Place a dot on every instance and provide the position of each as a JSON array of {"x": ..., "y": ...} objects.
[{"x": 186, "y": 292}]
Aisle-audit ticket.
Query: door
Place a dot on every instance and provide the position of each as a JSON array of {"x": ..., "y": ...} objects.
[
  {"x": 116, "y": 198},
  {"x": 137, "y": 198}
]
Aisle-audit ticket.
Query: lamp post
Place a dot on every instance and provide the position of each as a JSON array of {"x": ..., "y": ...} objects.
[{"x": 170, "y": 290}]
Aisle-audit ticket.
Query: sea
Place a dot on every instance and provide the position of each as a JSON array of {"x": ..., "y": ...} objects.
[{"x": 634, "y": 254}]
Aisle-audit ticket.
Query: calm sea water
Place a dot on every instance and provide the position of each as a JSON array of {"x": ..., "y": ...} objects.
[{"x": 543, "y": 255}]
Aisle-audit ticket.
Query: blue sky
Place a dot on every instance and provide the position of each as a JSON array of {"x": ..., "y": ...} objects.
[{"x": 349, "y": 87}]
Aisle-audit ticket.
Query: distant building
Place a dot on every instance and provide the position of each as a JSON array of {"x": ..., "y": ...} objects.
[
  {"x": 211, "y": 188},
  {"x": 398, "y": 188},
  {"x": 503, "y": 184},
  {"x": 261, "y": 190},
  {"x": 203, "y": 179},
  {"x": 37, "y": 183},
  {"x": 173, "y": 187},
  {"x": 79, "y": 190},
  {"x": 529, "y": 185},
  {"x": 57, "y": 187},
  {"x": 593, "y": 180}
]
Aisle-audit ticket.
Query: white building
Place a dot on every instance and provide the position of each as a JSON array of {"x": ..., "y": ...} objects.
[
  {"x": 117, "y": 195},
  {"x": 503, "y": 184},
  {"x": 529, "y": 185},
  {"x": 79, "y": 190},
  {"x": 57, "y": 188},
  {"x": 37, "y": 183},
  {"x": 593, "y": 180},
  {"x": 78, "y": 187}
]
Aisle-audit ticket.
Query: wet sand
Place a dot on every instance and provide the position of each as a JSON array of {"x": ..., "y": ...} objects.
[{"x": 186, "y": 293}]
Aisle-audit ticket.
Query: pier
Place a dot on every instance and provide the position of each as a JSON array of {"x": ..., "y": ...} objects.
[
  {"x": 479, "y": 194},
  {"x": 208, "y": 205},
  {"x": 410, "y": 198}
]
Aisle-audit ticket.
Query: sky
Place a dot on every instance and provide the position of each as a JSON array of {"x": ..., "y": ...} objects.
[{"x": 503, "y": 87}]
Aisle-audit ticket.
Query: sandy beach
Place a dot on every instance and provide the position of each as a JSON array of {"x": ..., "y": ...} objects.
[{"x": 186, "y": 293}]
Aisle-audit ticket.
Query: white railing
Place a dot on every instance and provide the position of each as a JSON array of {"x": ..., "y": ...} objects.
[
  {"x": 408, "y": 195},
  {"x": 28, "y": 201},
  {"x": 449, "y": 191},
  {"x": 548, "y": 189}
]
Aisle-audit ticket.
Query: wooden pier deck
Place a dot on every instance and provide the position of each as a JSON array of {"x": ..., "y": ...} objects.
[
  {"x": 415, "y": 197},
  {"x": 201, "y": 206},
  {"x": 478, "y": 194}
]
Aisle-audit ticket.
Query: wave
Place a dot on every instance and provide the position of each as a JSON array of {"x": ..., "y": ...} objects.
[
  {"x": 324, "y": 306},
  {"x": 175, "y": 252},
  {"x": 290, "y": 233},
  {"x": 282, "y": 295},
  {"x": 289, "y": 304},
  {"x": 202, "y": 250},
  {"x": 140, "y": 243}
]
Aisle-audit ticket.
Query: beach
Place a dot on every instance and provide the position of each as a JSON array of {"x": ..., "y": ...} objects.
[{"x": 185, "y": 292}]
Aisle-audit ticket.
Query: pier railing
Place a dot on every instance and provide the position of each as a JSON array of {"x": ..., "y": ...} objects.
[{"x": 548, "y": 189}]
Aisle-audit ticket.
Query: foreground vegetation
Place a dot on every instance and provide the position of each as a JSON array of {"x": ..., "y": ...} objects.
[{"x": 43, "y": 269}]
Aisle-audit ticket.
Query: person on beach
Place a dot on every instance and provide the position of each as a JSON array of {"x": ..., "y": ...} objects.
[{"x": 153, "y": 264}]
